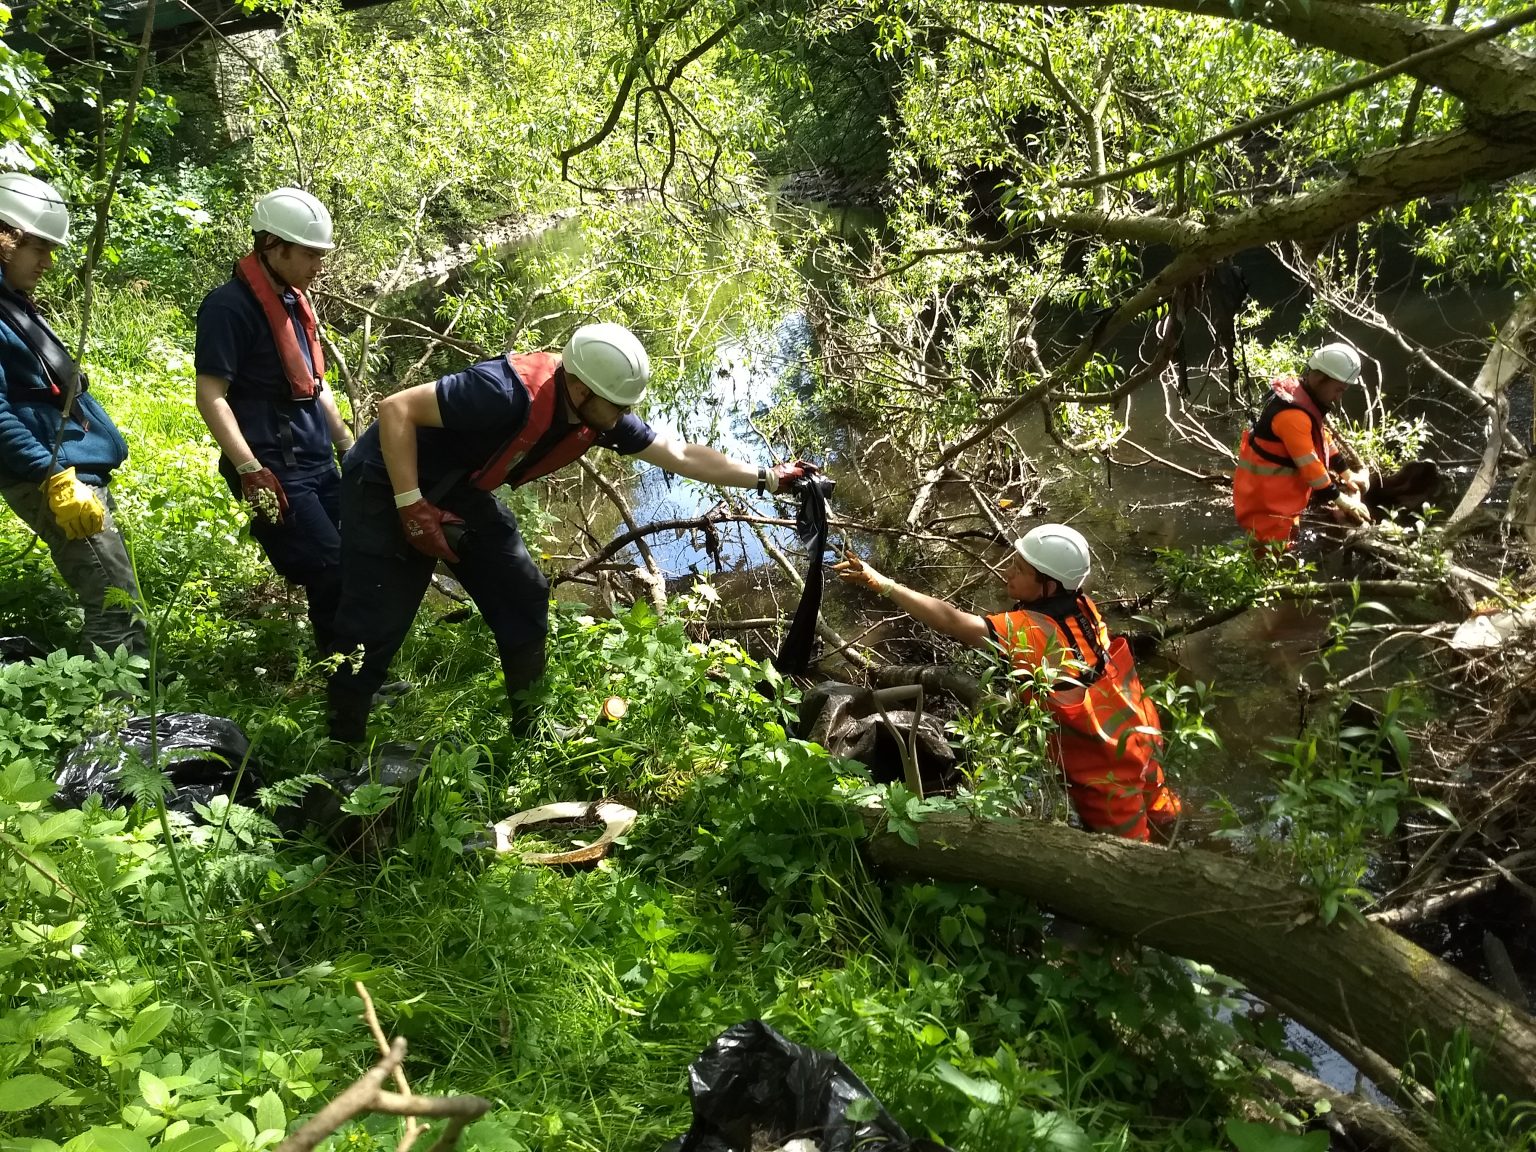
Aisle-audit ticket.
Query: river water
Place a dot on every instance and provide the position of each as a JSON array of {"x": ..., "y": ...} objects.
[{"x": 1254, "y": 663}]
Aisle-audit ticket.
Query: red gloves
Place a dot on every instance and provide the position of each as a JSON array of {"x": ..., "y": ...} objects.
[
  {"x": 784, "y": 475},
  {"x": 423, "y": 524},
  {"x": 264, "y": 493}
]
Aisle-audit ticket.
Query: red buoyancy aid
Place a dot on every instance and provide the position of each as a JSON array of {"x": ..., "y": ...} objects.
[
  {"x": 1288, "y": 392},
  {"x": 302, "y": 383},
  {"x": 537, "y": 372},
  {"x": 1108, "y": 740}
]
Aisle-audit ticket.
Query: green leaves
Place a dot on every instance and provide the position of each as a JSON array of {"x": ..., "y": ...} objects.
[
  {"x": 270, "y": 1115},
  {"x": 1247, "y": 1136},
  {"x": 103, "y": 1139},
  {"x": 981, "y": 1091},
  {"x": 149, "y": 1023},
  {"x": 20, "y": 1093}
]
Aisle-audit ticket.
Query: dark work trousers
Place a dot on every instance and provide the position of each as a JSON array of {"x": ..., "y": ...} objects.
[
  {"x": 383, "y": 580},
  {"x": 305, "y": 549}
]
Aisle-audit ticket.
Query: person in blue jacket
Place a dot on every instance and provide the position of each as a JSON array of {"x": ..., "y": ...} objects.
[{"x": 58, "y": 447}]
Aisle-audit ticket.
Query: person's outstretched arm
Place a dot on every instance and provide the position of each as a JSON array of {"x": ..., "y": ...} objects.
[
  {"x": 940, "y": 615},
  {"x": 709, "y": 466}
]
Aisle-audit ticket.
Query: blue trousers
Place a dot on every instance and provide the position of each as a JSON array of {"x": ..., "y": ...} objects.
[
  {"x": 305, "y": 549},
  {"x": 383, "y": 580}
]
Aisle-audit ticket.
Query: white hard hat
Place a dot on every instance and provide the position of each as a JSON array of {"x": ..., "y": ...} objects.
[
  {"x": 610, "y": 360},
  {"x": 1057, "y": 551},
  {"x": 294, "y": 215},
  {"x": 1339, "y": 361},
  {"x": 34, "y": 206}
]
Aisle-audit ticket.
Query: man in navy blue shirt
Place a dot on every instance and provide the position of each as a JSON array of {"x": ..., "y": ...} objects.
[
  {"x": 420, "y": 487},
  {"x": 261, "y": 391}
]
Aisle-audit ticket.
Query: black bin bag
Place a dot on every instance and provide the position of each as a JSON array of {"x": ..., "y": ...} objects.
[
  {"x": 754, "y": 1089},
  {"x": 201, "y": 754}
]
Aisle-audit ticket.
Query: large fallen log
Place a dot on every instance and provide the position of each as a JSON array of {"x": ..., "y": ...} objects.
[{"x": 1352, "y": 977}]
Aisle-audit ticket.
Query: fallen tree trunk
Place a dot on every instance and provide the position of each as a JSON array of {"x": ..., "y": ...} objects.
[{"x": 1351, "y": 976}]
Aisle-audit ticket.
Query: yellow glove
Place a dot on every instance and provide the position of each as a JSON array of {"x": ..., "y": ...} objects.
[{"x": 74, "y": 505}]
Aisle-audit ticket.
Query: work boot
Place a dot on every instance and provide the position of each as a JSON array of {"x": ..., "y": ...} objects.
[
  {"x": 393, "y": 690},
  {"x": 522, "y": 669},
  {"x": 348, "y": 717}
]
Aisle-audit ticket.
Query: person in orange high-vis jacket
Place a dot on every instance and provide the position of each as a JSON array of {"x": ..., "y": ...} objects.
[
  {"x": 1288, "y": 460},
  {"x": 1108, "y": 738}
]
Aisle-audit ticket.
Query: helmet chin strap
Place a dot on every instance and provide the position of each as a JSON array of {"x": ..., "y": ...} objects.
[{"x": 271, "y": 271}]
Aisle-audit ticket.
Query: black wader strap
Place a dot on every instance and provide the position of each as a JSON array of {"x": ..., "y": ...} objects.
[
  {"x": 285, "y": 434},
  {"x": 1264, "y": 424},
  {"x": 1069, "y": 606},
  {"x": 40, "y": 340},
  {"x": 1273, "y": 457}
]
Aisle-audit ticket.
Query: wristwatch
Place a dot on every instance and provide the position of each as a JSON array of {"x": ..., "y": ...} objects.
[{"x": 762, "y": 480}]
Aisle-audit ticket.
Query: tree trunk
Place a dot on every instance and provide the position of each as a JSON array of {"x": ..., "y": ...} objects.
[
  {"x": 1351, "y": 976},
  {"x": 1505, "y": 362}
]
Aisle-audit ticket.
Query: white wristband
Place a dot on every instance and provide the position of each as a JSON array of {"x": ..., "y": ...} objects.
[
  {"x": 886, "y": 587},
  {"x": 251, "y": 465},
  {"x": 404, "y": 498}
]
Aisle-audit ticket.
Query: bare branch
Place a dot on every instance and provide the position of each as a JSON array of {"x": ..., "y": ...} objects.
[
  {"x": 425, "y": 330},
  {"x": 643, "y": 47},
  {"x": 367, "y": 1094}
]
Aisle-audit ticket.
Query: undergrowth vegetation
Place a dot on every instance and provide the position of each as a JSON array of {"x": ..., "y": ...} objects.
[
  {"x": 184, "y": 980},
  {"x": 181, "y": 978}
]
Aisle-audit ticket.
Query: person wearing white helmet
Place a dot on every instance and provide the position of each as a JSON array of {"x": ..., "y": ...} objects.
[
  {"x": 1288, "y": 459},
  {"x": 58, "y": 447},
  {"x": 1108, "y": 738},
  {"x": 419, "y": 489},
  {"x": 262, "y": 392}
]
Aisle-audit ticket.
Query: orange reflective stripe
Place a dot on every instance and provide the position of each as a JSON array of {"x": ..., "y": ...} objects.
[{"x": 1264, "y": 469}]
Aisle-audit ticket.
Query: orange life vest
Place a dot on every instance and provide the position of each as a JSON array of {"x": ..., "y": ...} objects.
[
  {"x": 538, "y": 448},
  {"x": 302, "y": 383},
  {"x": 1108, "y": 736},
  {"x": 1271, "y": 485}
]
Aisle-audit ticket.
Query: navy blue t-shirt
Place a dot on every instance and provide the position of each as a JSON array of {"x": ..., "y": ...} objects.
[
  {"x": 483, "y": 407},
  {"x": 235, "y": 343}
]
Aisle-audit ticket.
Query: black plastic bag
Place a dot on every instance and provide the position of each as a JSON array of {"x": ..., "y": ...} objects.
[
  {"x": 18, "y": 650},
  {"x": 205, "y": 757},
  {"x": 794, "y": 655},
  {"x": 753, "y": 1088},
  {"x": 396, "y": 765}
]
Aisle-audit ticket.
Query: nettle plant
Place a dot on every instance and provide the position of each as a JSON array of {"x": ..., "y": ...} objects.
[
  {"x": 46, "y": 703},
  {"x": 126, "y": 1018}
]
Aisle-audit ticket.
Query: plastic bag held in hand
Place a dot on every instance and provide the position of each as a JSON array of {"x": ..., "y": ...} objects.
[
  {"x": 423, "y": 523},
  {"x": 77, "y": 509},
  {"x": 264, "y": 493}
]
